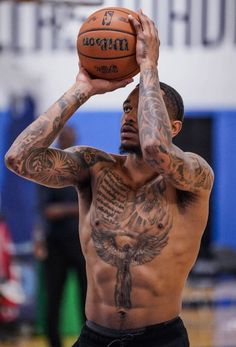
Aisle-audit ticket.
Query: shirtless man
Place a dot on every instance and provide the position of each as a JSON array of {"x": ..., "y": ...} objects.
[{"x": 142, "y": 215}]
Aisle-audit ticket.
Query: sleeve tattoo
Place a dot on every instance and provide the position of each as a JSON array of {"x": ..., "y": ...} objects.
[
  {"x": 31, "y": 157},
  {"x": 185, "y": 171}
]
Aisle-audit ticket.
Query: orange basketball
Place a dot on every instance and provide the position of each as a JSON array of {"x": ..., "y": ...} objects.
[{"x": 106, "y": 44}]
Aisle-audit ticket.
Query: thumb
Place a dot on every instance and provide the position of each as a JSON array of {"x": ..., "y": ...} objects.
[{"x": 121, "y": 83}]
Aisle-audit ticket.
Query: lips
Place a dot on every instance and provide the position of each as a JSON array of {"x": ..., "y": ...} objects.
[{"x": 128, "y": 129}]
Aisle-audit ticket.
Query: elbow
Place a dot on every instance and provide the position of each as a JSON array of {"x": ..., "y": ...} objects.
[
  {"x": 11, "y": 162},
  {"x": 154, "y": 149},
  {"x": 155, "y": 154},
  {"x": 150, "y": 146}
]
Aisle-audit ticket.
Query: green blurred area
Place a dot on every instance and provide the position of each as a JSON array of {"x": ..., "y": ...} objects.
[{"x": 70, "y": 318}]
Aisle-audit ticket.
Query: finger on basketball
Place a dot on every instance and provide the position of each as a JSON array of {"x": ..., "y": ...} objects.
[{"x": 136, "y": 24}]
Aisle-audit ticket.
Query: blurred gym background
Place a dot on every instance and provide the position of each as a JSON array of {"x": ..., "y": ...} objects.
[{"x": 38, "y": 63}]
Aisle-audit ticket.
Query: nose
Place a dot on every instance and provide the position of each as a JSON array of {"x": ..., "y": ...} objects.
[{"x": 129, "y": 118}]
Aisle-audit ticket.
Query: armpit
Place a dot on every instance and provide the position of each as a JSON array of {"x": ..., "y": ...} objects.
[{"x": 185, "y": 199}]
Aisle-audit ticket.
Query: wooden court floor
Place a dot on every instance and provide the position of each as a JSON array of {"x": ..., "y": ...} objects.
[{"x": 209, "y": 313}]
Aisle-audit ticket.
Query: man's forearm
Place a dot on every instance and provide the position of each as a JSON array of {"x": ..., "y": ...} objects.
[
  {"x": 43, "y": 131},
  {"x": 154, "y": 122},
  {"x": 153, "y": 118}
]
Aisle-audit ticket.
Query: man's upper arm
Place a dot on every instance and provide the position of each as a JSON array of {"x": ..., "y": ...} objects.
[
  {"x": 188, "y": 171},
  {"x": 60, "y": 168}
]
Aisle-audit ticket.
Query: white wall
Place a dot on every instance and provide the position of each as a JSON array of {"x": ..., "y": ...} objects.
[{"x": 46, "y": 60}]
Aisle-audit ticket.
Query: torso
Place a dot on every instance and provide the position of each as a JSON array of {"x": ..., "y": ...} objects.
[{"x": 140, "y": 242}]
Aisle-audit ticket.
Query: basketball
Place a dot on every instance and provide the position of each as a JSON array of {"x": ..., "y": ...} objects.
[{"x": 106, "y": 44}]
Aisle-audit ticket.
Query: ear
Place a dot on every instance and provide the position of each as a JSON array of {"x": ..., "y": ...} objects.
[{"x": 176, "y": 127}]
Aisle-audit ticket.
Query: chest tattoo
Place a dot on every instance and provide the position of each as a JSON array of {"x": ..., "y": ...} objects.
[
  {"x": 111, "y": 198},
  {"x": 133, "y": 228}
]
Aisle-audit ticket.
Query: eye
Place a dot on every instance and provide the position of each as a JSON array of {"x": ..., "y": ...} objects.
[{"x": 127, "y": 109}]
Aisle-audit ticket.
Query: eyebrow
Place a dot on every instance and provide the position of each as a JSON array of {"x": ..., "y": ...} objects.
[{"x": 127, "y": 101}]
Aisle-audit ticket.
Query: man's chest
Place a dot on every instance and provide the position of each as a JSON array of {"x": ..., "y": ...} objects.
[
  {"x": 130, "y": 224},
  {"x": 120, "y": 205}
]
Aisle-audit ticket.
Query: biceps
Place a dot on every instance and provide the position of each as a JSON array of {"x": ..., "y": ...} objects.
[
  {"x": 51, "y": 167},
  {"x": 190, "y": 174},
  {"x": 185, "y": 170}
]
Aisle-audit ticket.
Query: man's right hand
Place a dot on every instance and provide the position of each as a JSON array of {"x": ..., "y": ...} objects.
[{"x": 100, "y": 86}]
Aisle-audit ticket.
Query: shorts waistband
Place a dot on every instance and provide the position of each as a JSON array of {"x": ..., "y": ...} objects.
[{"x": 119, "y": 333}]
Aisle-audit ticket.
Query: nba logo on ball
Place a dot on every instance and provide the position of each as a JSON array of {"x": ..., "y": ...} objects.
[
  {"x": 107, "y": 17},
  {"x": 106, "y": 44}
]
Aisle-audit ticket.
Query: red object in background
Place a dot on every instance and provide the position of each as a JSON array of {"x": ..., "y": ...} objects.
[
  {"x": 5, "y": 251},
  {"x": 11, "y": 294},
  {"x": 9, "y": 311}
]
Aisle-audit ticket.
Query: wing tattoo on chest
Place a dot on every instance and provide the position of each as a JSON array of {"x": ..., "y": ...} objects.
[{"x": 133, "y": 228}]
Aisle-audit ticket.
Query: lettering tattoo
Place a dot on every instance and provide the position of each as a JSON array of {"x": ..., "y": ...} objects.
[
  {"x": 184, "y": 170},
  {"x": 111, "y": 198},
  {"x": 69, "y": 105},
  {"x": 133, "y": 231}
]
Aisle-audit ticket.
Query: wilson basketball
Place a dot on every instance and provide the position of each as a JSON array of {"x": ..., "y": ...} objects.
[{"x": 106, "y": 44}]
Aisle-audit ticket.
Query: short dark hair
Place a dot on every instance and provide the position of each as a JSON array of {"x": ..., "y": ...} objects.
[{"x": 173, "y": 101}]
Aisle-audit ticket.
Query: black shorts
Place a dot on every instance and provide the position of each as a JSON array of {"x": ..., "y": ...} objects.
[{"x": 168, "y": 334}]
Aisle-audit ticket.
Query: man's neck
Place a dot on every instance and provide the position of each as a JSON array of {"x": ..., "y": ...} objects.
[{"x": 138, "y": 170}]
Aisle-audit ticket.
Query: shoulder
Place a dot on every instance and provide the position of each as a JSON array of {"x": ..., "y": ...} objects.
[
  {"x": 202, "y": 183},
  {"x": 197, "y": 158},
  {"x": 201, "y": 168},
  {"x": 90, "y": 156}
]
